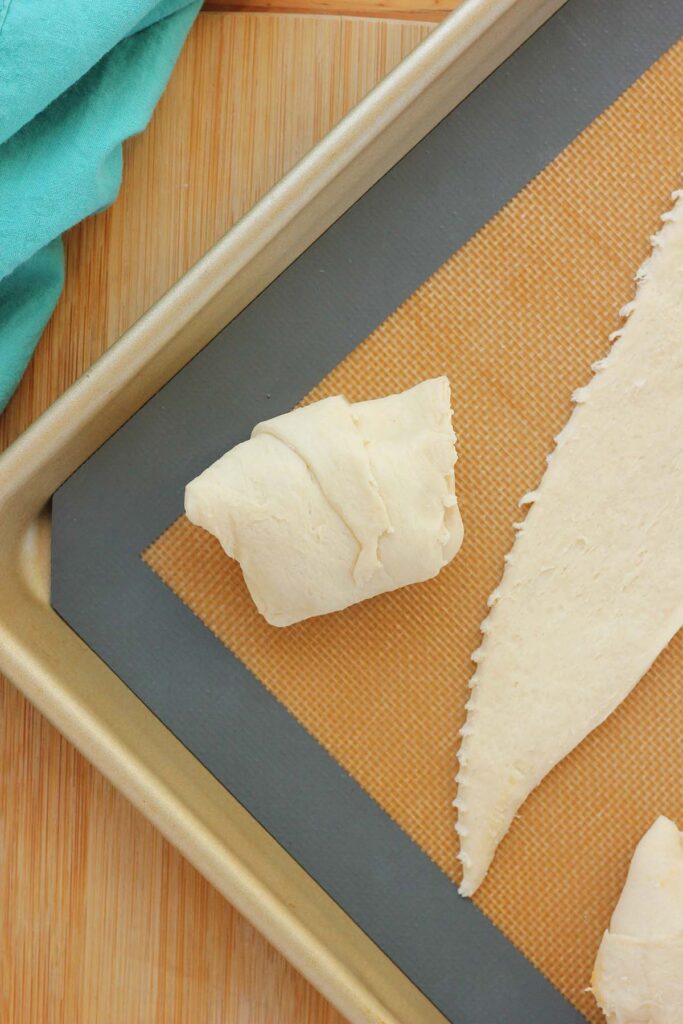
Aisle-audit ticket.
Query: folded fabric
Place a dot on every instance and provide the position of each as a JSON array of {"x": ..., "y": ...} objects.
[{"x": 75, "y": 81}]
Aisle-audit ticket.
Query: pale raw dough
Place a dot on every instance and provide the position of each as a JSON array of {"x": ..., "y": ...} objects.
[
  {"x": 593, "y": 588},
  {"x": 638, "y": 974},
  {"x": 335, "y": 503}
]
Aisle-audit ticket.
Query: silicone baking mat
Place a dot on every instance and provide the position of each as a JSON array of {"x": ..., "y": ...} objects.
[{"x": 515, "y": 317}]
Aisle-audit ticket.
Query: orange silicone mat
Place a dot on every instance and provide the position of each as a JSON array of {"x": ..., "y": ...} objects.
[{"x": 515, "y": 318}]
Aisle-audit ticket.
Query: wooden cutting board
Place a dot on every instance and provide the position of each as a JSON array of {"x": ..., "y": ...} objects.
[{"x": 101, "y": 921}]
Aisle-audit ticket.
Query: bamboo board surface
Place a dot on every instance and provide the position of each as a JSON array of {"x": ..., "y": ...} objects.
[
  {"x": 101, "y": 921},
  {"x": 410, "y": 10}
]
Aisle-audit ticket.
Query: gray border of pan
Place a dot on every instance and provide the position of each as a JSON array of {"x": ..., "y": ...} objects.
[{"x": 261, "y": 364}]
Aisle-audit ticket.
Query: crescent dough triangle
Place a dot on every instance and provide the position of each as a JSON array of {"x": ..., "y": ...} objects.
[{"x": 593, "y": 587}]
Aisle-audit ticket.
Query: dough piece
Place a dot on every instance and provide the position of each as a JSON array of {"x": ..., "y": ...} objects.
[
  {"x": 638, "y": 974},
  {"x": 335, "y": 503},
  {"x": 593, "y": 587}
]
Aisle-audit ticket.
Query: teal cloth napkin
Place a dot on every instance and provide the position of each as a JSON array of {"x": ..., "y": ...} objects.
[{"x": 76, "y": 79}]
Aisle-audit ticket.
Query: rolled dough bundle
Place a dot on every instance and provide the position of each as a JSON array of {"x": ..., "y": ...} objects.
[
  {"x": 638, "y": 974},
  {"x": 335, "y": 503}
]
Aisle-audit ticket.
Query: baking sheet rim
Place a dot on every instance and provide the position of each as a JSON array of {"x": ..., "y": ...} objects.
[{"x": 59, "y": 674}]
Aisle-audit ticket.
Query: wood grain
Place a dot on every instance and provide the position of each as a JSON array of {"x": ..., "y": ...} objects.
[
  {"x": 101, "y": 921},
  {"x": 408, "y": 10}
]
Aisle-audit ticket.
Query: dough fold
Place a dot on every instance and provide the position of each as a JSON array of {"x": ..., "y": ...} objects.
[
  {"x": 638, "y": 974},
  {"x": 336, "y": 502}
]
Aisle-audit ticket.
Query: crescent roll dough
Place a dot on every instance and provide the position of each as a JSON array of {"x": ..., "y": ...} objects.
[
  {"x": 593, "y": 588},
  {"x": 638, "y": 974},
  {"x": 335, "y": 503}
]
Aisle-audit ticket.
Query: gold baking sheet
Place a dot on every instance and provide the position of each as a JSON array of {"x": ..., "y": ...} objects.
[{"x": 515, "y": 318}]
